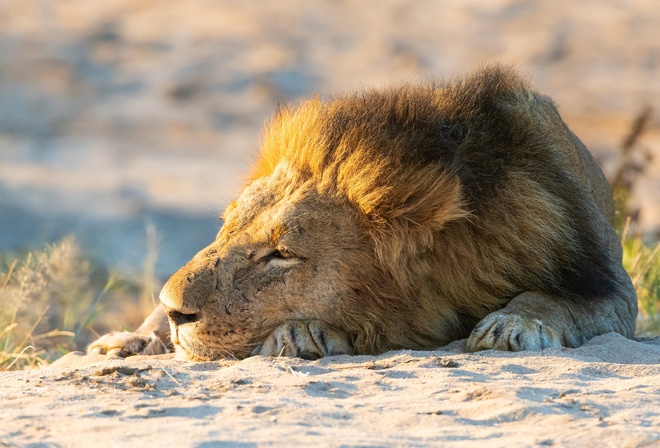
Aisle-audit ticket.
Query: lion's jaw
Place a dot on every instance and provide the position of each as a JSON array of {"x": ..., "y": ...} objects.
[{"x": 282, "y": 254}]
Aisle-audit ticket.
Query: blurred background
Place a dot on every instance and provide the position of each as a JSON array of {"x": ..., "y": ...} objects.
[
  {"x": 120, "y": 115},
  {"x": 130, "y": 124}
]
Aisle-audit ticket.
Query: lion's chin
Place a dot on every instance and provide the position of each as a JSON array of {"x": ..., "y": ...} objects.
[
  {"x": 181, "y": 354},
  {"x": 204, "y": 354},
  {"x": 185, "y": 353}
]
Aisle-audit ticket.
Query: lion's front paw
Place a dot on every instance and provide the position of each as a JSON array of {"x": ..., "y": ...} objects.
[
  {"x": 124, "y": 343},
  {"x": 503, "y": 331},
  {"x": 305, "y": 339}
]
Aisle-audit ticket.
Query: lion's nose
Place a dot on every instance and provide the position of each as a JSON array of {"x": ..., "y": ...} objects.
[
  {"x": 178, "y": 318},
  {"x": 179, "y": 311}
]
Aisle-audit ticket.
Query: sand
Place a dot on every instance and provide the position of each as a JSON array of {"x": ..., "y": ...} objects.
[{"x": 606, "y": 393}]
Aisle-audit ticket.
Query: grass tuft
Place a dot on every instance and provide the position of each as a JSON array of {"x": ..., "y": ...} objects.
[
  {"x": 643, "y": 265},
  {"x": 48, "y": 290},
  {"x": 48, "y": 302}
]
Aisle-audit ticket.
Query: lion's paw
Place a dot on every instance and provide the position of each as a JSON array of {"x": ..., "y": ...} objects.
[
  {"x": 511, "y": 332},
  {"x": 305, "y": 339},
  {"x": 125, "y": 343}
]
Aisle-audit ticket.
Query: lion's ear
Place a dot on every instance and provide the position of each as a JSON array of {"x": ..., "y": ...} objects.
[
  {"x": 410, "y": 196},
  {"x": 403, "y": 207},
  {"x": 424, "y": 200}
]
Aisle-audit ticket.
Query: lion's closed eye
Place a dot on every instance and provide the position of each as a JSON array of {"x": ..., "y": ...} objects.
[{"x": 280, "y": 258}]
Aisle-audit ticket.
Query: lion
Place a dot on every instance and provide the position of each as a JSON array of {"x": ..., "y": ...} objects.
[{"x": 404, "y": 218}]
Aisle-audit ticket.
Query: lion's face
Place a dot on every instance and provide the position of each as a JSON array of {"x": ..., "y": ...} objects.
[{"x": 284, "y": 252}]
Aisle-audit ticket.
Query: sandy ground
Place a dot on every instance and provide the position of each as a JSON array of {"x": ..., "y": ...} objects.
[
  {"x": 604, "y": 394},
  {"x": 119, "y": 113}
]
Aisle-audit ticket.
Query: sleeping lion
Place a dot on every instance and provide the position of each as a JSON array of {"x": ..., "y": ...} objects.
[{"x": 406, "y": 217}]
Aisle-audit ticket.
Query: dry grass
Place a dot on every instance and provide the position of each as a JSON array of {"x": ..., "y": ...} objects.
[
  {"x": 53, "y": 302},
  {"x": 47, "y": 290},
  {"x": 641, "y": 260},
  {"x": 643, "y": 264}
]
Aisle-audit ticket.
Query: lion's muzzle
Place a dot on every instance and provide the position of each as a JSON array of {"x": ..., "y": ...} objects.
[{"x": 184, "y": 295}]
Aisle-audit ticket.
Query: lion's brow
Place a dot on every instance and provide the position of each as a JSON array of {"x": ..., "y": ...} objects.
[{"x": 277, "y": 232}]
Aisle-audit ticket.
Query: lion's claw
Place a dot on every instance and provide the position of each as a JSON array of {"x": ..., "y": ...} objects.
[
  {"x": 305, "y": 339},
  {"x": 504, "y": 331}
]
